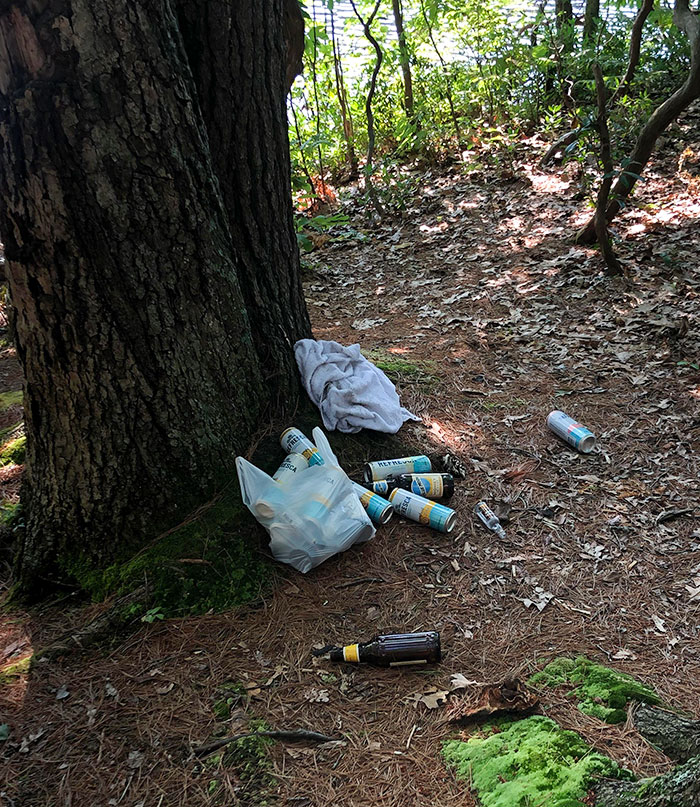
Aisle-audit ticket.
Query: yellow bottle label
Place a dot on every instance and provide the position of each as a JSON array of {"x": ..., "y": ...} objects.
[{"x": 351, "y": 652}]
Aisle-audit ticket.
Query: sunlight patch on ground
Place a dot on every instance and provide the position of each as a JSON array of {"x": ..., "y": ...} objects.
[
  {"x": 451, "y": 437},
  {"x": 547, "y": 183}
]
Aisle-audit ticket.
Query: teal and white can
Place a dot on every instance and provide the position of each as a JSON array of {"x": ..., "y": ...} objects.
[
  {"x": 295, "y": 442},
  {"x": 378, "y": 509},
  {"x": 290, "y": 467},
  {"x": 381, "y": 469},
  {"x": 422, "y": 510},
  {"x": 573, "y": 433}
]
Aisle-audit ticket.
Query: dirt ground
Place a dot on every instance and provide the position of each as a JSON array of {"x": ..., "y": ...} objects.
[{"x": 478, "y": 285}]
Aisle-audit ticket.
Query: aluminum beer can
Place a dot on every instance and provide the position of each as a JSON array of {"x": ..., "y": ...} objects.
[
  {"x": 571, "y": 432},
  {"x": 292, "y": 464},
  {"x": 422, "y": 510},
  {"x": 375, "y": 471},
  {"x": 379, "y": 510},
  {"x": 295, "y": 442}
]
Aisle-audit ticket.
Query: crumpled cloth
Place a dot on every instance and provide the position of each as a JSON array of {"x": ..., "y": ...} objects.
[{"x": 350, "y": 392}]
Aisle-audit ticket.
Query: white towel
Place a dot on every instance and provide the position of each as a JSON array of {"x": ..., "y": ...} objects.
[{"x": 350, "y": 391}]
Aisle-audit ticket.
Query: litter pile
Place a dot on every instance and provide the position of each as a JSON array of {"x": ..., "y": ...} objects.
[{"x": 313, "y": 510}]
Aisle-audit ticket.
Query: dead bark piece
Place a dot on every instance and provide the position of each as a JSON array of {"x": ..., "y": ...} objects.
[
  {"x": 511, "y": 696},
  {"x": 678, "y": 737},
  {"x": 290, "y": 736},
  {"x": 102, "y": 627}
]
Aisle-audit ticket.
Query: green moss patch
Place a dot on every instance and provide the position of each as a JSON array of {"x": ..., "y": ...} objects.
[
  {"x": 249, "y": 759},
  {"x": 14, "y": 670},
  {"x": 601, "y": 692},
  {"x": 528, "y": 763},
  {"x": 9, "y": 512},
  {"x": 211, "y": 563},
  {"x": 12, "y": 453},
  {"x": 400, "y": 369},
  {"x": 12, "y": 398}
]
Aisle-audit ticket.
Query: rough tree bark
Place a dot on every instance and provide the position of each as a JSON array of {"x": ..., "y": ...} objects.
[
  {"x": 662, "y": 117},
  {"x": 236, "y": 52},
  {"x": 404, "y": 59},
  {"x": 678, "y": 738},
  {"x": 143, "y": 372}
]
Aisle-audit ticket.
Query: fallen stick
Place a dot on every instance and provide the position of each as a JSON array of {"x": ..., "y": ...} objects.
[{"x": 291, "y": 736}]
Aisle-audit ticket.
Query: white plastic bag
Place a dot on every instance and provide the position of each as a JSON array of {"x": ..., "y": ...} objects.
[{"x": 311, "y": 516}]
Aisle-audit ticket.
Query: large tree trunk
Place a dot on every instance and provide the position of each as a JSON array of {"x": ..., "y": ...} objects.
[
  {"x": 678, "y": 738},
  {"x": 662, "y": 117},
  {"x": 143, "y": 372},
  {"x": 237, "y": 52}
]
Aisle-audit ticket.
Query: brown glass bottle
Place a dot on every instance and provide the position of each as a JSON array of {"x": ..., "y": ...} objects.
[
  {"x": 431, "y": 486},
  {"x": 393, "y": 650}
]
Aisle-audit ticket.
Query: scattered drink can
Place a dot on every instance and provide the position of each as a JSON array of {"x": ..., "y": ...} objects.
[
  {"x": 379, "y": 510},
  {"x": 432, "y": 486},
  {"x": 375, "y": 471},
  {"x": 295, "y": 442},
  {"x": 422, "y": 510},
  {"x": 292, "y": 464},
  {"x": 489, "y": 519},
  {"x": 571, "y": 432},
  {"x": 392, "y": 650}
]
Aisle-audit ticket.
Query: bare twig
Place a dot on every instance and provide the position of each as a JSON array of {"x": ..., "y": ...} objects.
[{"x": 290, "y": 736}]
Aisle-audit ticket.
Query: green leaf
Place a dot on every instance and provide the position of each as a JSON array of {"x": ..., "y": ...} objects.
[{"x": 4, "y": 731}]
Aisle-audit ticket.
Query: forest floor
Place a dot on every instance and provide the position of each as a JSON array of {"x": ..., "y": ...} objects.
[{"x": 488, "y": 317}]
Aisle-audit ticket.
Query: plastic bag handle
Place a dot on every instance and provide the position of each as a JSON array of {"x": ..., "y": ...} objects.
[{"x": 324, "y": 447}]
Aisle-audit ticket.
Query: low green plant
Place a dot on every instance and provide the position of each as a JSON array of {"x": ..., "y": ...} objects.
[
  {"x": 13, "y": 453},
  {"x": 602, "y": 692},
  {"x": 527, "y": 763},
  {"x": 153, "y": 614}
]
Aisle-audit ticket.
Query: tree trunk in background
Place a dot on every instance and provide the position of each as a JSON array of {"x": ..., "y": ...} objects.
[
  {"x": 565, "y": 23},
  {"x": 662, "y": 117},
  {"x": 238, "y": 54},
  {"x": 590, "y": 19},
  {"x": 405, "y": 59},
  {"x": 143, "y": 373},
  {"x": 348, "y": 132}
]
